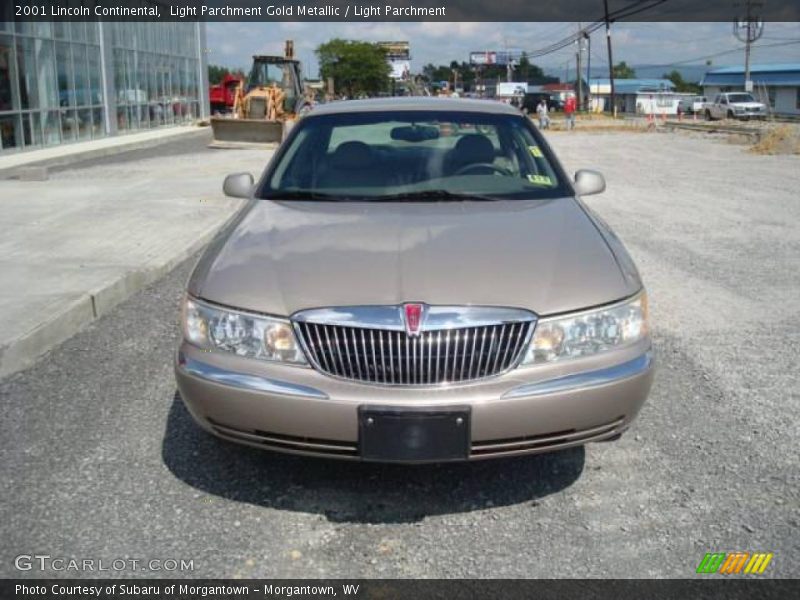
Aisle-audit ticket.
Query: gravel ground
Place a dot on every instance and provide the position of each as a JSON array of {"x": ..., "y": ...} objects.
[{"x": 101, "y": 461}]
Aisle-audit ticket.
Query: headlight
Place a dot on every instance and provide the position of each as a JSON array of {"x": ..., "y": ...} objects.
[
  {"x": 243, "y": 334},
  {"x": 590, "y": 332}
]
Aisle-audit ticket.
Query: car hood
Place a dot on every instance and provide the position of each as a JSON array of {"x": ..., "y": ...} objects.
[{"x": 547, "y": 256}]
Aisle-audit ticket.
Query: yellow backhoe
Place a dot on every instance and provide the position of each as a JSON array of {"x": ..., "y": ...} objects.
[{"x": 266, "y": 106}]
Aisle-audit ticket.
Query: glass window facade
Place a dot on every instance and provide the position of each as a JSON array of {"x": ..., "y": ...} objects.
[
  {"x": 71, "y": 82},
  {"x": 156, "y": 74}
]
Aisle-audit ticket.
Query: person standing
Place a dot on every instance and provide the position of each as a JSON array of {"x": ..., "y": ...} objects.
[
  {"x": 569, "y": 110},
  {"x": 541, "y": 111}
]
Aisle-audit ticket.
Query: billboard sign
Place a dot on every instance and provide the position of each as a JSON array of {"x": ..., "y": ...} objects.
[
  {"x": 401, "y": 69},
  {"x": 398, "y": 55},
  {"x": 396, "y": 50},
  {"x": 494, "y": 57},
  {"x": 512, "y": 88},
  {"x": 486, "y": 57}
]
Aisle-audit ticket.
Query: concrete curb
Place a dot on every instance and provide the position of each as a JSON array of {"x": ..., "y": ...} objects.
[
  {"x": 83, "y": 151},
  {"x": 25, "y": 350}
]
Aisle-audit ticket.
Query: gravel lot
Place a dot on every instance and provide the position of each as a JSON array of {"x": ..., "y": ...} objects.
[{"x": 102, "y": 462}]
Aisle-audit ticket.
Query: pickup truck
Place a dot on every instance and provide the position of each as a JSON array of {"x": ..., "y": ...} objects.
[{"x": 735, "y": 105}]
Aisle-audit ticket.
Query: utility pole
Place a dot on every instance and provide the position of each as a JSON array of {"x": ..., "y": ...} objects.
[
  {"x": 579, "y": 75},
  {"x": 588, "y": 70},
  {"x": 610, "y": 60},
  {"x": 748, "y": 30}
]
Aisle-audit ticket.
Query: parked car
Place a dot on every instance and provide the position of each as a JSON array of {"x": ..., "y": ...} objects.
[
  {"x": 415, "y": 280},
  {"x": 735, "y": 105}
]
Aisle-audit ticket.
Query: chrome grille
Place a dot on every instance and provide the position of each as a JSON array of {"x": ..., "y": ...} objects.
[{"x": 433, "y": 357}]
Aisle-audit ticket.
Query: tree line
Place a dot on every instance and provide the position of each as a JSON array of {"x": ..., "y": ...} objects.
[{"x": 360, "y": 69}]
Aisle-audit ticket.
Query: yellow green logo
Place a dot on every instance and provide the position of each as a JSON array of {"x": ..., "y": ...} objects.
[{"x": 729, "y": 563}]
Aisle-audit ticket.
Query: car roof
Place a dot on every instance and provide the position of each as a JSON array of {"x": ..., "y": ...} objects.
[{"x": 415, "y": 103}]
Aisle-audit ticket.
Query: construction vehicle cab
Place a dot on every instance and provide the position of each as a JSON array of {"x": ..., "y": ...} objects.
[{"x": 269, "y": 71}]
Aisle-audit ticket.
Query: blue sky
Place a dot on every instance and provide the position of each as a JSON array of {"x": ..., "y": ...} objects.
[{"x": 232, "y": 44}]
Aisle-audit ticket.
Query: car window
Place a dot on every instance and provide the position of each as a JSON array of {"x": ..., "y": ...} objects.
[
  {"x": 740, "y": 98},
  {"x": 380, "y": 155}
]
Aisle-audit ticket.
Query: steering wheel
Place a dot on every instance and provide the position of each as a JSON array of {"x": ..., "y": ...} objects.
[{"x": 467, "y": 168}]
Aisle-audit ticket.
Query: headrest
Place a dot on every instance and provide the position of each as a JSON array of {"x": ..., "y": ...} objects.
[
  {"x": 473, "y": 148},
  {"x": 352, "y": 155}
]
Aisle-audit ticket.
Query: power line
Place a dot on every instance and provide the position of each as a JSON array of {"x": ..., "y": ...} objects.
[
  {"x": 628, "y": 11},
  {"x": 608, "y": 18},
  {"x": 722, "y": 53}
]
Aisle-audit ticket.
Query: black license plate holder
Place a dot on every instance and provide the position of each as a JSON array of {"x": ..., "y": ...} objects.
[{"x": 419, "y": 434}]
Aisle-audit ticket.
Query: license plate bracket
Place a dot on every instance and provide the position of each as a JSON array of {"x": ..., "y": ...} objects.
[{"x": 418, "y": 434}]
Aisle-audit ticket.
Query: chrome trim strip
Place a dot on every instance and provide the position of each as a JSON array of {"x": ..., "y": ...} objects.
[
  {"x": 587, "y": 379},
  {"x": 391, "y": 316},
  {"x": 543, "y": 440},
  {"x": 244, "y": 381},
  {"x": 274, "y": 439}
]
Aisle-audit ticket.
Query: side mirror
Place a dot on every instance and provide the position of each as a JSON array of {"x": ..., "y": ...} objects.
[
  {"x": 589, "y": 182},
  {"x": 238, "y": 185}
]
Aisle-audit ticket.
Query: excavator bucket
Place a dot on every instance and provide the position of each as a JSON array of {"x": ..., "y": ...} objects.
[{"x": 232, "y": 133}]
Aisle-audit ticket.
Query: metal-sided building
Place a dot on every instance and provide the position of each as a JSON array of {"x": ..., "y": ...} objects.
[
  {"x": 63, "y": 82},
  {"x": 634, "y": 95},
  {"x": 778, "y": 84}
]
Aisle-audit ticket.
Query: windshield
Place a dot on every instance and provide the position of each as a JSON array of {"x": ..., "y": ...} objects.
[
  {"x": 740, "y": 98},
  {"x": 414, "y": 155}
]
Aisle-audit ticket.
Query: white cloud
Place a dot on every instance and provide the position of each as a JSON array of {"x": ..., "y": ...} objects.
[{"x": 233, "y": 44}]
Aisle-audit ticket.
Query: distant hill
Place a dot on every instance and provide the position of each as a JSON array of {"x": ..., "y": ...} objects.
[{"x": 690, "y": 73}]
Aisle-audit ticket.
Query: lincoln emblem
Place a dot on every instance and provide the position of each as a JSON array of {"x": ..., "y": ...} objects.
[{"x": 413, "y": 316}]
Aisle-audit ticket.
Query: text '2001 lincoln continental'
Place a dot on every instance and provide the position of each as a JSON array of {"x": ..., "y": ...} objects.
[{"x": 415, "y": 280}]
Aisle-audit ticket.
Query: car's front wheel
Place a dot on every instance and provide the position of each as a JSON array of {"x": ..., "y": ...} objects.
[{"x": 708, "y": 115}]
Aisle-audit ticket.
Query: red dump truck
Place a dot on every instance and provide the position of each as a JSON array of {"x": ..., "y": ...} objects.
[{"x": 221, "y": 95}]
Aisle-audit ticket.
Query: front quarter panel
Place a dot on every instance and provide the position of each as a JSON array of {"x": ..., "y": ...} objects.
[
  {"x": 621, "y": 255},
  {"x": 206, "y": 260}
]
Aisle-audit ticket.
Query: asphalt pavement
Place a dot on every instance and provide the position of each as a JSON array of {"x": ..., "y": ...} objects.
[{"x": 100, "y": 460}]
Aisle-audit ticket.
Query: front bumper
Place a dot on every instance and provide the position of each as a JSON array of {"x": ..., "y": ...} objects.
[{"x": 527, "y": 410}]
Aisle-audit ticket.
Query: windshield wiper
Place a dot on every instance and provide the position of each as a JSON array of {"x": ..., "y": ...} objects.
[
  {"x": 434, "y": 196},
  {"x": 422, "y": 195},
  {"x": 304, "y": 195}
]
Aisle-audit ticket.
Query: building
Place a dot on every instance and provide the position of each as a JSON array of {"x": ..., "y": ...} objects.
[
  {"x": 64, "y": 82},
  {"x": 635, "y": 95},
  {"x": 558, "y": 92},
  {"x": 778, "y": 85}
]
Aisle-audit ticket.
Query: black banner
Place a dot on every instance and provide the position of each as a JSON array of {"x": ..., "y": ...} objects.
[
  {"x": 375, "y": 589},
  {"x": 400, "y": 10}
]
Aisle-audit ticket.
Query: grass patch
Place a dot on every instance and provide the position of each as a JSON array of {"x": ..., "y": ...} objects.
[{"x": 783, "y": 139}]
